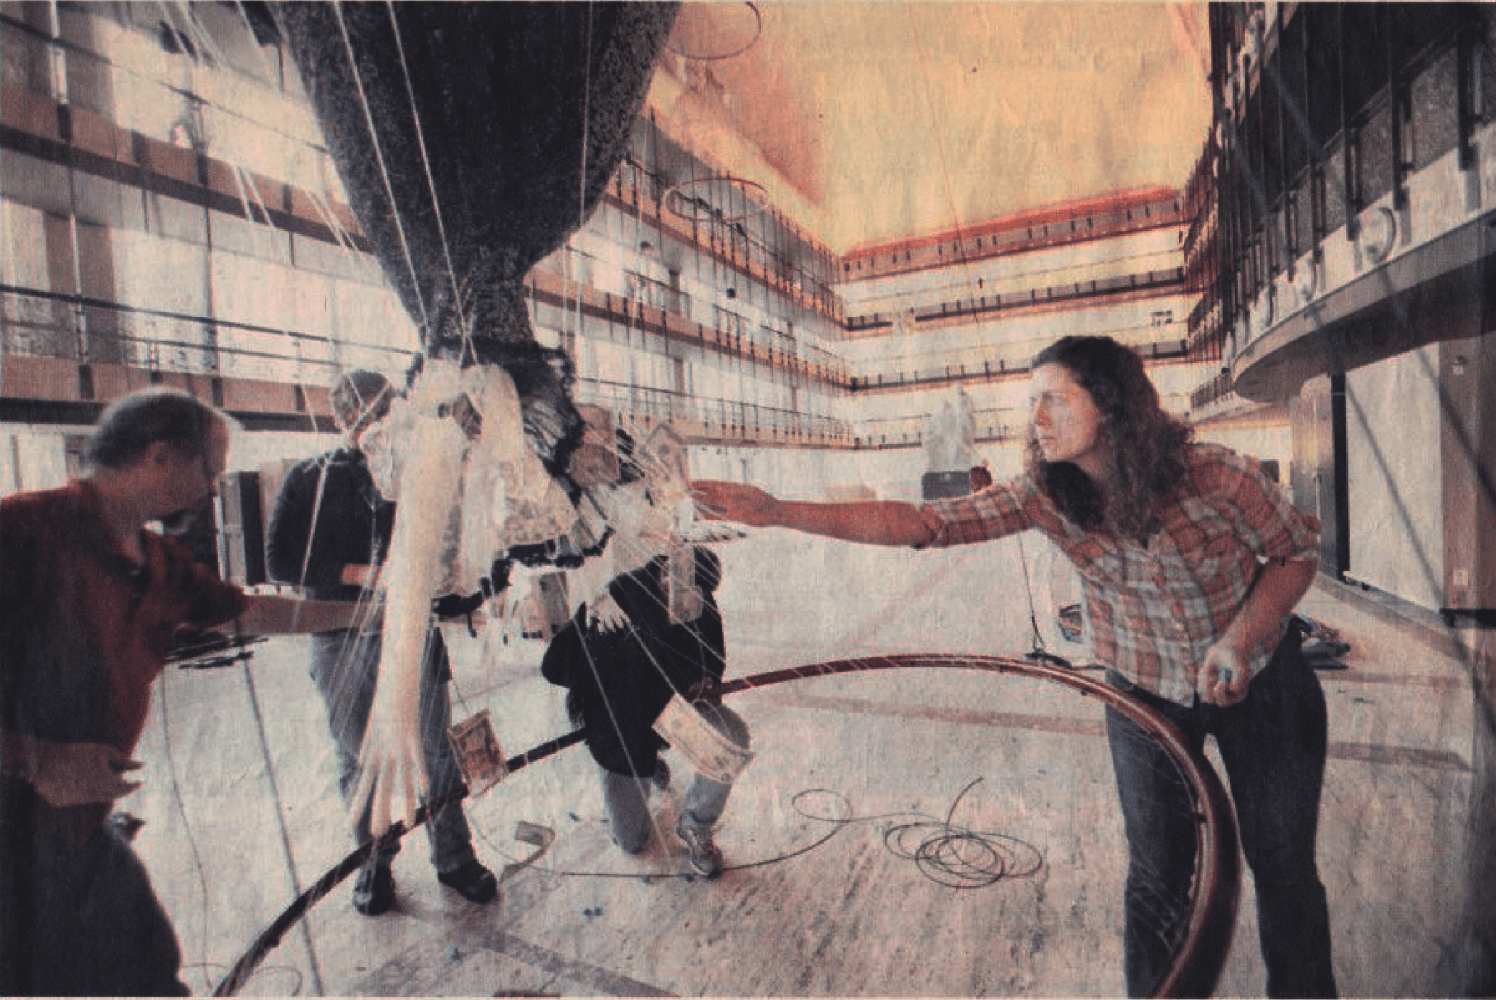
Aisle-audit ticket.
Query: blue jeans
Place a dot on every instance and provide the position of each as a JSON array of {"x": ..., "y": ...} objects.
[
  {"x": 626, "y": 797},
  {"x": 1273, "y": 744},
  {"x": 345, "y": 666}
]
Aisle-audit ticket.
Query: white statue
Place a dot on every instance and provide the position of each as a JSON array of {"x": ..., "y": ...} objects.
[{"x": 950, "y": 434}]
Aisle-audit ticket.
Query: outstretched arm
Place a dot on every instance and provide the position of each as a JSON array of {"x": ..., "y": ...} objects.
[
  {"x": 873, "y": 522},
  {"x": 269, "y": 615}
]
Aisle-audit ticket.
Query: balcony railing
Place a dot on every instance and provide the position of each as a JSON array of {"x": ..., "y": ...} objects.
[
  {"x": 42, "y": 324},
  {"x": 704, "y": 419},
  {"x": 1214, "y": 390},
  {"x": 1159, "y": 340},
  {"x": 984, "y": 305}
]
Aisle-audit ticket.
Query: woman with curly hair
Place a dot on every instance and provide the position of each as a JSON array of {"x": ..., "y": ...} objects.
[
  {"x": 1140, "y": 448},
  {"x": 1191, "y": 561}
]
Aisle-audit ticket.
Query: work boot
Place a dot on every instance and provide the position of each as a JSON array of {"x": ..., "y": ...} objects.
[
  {"x": 473, "y": 882},
  {"x": 706, "y": 858},
  {"x": 374, "y": 892}
]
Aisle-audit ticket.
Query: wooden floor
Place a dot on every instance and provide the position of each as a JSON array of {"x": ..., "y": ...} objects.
[{"x": 814, "y": 903}]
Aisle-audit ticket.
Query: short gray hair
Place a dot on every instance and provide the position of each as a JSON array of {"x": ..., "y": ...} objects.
[{"x": 134, "y": 422}]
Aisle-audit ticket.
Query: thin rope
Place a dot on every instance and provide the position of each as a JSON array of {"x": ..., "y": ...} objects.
[
  {"x": 582, "y": 179},
  {"x": 641, "y": 782},
  {"x": 462, "y": 321},
  {"x": 384, "y": 173},
  {"x": 280, "y": 820},
  {"x": 586, "y": 120},
  {"x": 176, "y": 792},
  {"x": 1028, "y": 590}
]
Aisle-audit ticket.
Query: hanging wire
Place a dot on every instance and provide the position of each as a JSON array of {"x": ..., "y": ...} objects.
[
  {"x": 353, "y": 647},
  {"x": 247, "y": 191},
  {"x": 363, "y": 100},
  {"x": 586, "y": 120},
  {"x": 280, "y": 819},
  {"x": 1039, "y": 651},
  {"x": 181, "y": 804},
  {"x": 457, "y": 297},
  {"x": 636, "y": 767}
]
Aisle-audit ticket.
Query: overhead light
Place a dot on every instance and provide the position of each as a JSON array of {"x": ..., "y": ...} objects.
[
  {"x": 728, "y": 198},
  {"x": 711, "y": 31},
  {"x": 1306, "y": 280}
]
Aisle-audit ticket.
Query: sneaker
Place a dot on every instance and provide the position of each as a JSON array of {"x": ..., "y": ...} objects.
[
  {"x": 472, "y": 881},
  {"x": 661, "y": 777},
  {"x": 374, "y": 892},
  {"x": 706, "y": 858}
]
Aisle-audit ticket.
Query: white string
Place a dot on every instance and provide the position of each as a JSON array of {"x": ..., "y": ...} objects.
[
  {"x": 634, "y": 768},
  {"x": 467, "y": 331},
  {"x": 620, "y": 542},
  {"x": 247, "y": 191},
  {"x": 384, "y": 173},
  {"x": 586, "y": 120},
  {"x": 367, "y": 779},
  {"x": 649, "y": 594},
  {"x": 344, "y": 238},
  {"x": 272, "y": 70},
  {"x": 582, "y": 181}
]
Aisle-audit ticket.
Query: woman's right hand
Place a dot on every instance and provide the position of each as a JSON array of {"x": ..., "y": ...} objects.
[{"x": 723, "y": 501}]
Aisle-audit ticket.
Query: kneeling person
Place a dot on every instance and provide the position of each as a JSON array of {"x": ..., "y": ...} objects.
[{"x": 622, "y": 662}]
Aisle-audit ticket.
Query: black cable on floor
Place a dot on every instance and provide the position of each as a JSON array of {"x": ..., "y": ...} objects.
[{"x": 951, "y": 855}]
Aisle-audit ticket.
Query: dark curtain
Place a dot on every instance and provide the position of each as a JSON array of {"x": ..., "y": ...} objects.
[{"x": 476, "y": 166}]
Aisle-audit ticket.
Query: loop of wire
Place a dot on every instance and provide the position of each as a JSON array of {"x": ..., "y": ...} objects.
[{"x": 960, "y": 858}]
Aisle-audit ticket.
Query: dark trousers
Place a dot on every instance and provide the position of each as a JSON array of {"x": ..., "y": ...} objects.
[
  {"x": 78, "y": 915},
  {"x": 345, "y": 667},
  {"x": 1273, "y": 745}
]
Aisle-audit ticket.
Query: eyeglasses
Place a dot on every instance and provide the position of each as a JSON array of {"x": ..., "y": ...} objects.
[{"x": 209, "y": 472}]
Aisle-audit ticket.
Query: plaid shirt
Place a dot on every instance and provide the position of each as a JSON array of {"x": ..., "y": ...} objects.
[{"x": 1154, "y": 609}]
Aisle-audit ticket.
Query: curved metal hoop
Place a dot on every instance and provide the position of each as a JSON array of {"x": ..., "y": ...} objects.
[{"x": 1212, "y": 917}]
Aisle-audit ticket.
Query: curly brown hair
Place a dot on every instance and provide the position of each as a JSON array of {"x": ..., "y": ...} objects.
[{"x": 1144, "y": 445}]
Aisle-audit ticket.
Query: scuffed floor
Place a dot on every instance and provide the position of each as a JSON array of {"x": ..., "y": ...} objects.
[{"x": 814, "y": 902}]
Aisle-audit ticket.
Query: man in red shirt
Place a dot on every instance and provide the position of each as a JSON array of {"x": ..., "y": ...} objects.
[
  {"x": 89, "y": 601},
  {"x": 1191, "y": 560}
]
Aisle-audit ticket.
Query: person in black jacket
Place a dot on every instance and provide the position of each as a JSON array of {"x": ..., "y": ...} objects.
[
  {"x": 621, "y": 679},
  {"x": 329, "y": 529}
]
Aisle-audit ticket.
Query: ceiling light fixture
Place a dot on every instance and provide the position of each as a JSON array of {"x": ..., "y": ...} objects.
[
  {"x": 726, "y": 198},
  {"x": 711, "y": 31}
]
